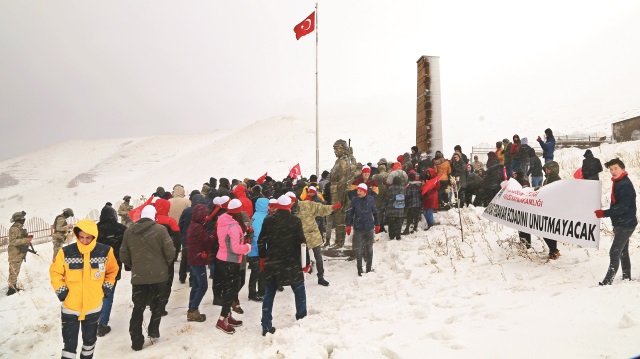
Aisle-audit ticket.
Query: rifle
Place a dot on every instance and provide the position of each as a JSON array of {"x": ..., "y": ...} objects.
[{"x": 30, "y": 249}]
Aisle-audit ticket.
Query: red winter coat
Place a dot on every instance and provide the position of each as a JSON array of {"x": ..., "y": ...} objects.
[
  {"x": 430, "y": 199},
  {"x": 241, "y": 193},
  {"x": 162, "y": 214}
]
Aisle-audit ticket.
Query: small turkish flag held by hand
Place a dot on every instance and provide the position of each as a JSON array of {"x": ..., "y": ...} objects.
[
  {"x": 295, "y": 171},
  {"x": 306, "y": 26}
]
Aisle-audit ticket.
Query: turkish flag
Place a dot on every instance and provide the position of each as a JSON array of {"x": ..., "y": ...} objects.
[
  {"x": 295, "y": 171},
  {"x": 429, "y": 185},
  {"x": 306, "y": 26},
  {"x": 136, "y": 213},
  {"x": 262, "y": 178},
  {"x": 578, "y": 174}
]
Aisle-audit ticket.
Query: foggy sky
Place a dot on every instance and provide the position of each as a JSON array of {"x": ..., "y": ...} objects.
[{"x": 71, "y": 69}]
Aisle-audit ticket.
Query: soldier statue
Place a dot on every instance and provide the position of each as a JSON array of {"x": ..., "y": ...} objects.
[{"x": 342, "y": 175}]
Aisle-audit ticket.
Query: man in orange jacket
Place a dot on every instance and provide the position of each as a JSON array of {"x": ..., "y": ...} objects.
[{"x": 82, "y": 274}]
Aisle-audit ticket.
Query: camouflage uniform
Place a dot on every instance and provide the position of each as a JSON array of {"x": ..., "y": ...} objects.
[
  {"x": 381, "y": 179},
  {"x": 60, "y": 230},
  {"x": 342, "y": 175},
  {"x": 123, "y": 212},
  {"x": 18, "y": 244}
]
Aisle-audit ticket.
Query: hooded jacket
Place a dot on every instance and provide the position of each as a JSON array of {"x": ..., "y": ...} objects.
[
  {"x": 163, "y": 207},
  {"x": 279, "y": 244},
  {"x": 591, "y": 166},
  {"x": 178, "y": 203},
  {"x": 148, "y": 250},
  {"x": 535, "y": 169},
  {"x": 82, "y": 275},
  {"x": 554, "y": 174},
  {"x": 442, "y": 167},
  {"x": 262, "y": 206},
  {"x": 241, "y": 193},
  {"x": 199, "y": 242},
  {"x": 231, "y": 240},
  {"x": 430, "y": 199},
  {"x": 110, "y": 232}
]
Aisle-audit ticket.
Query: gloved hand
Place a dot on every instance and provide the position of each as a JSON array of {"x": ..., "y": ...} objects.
[
  {"x": 348, "y": 230},
  {"x": 306, "y": 269},
  {"x": 377, "y": 230},
  {"x": 62, "y": 293},
  {"x": 337, "y": 206},
  {"x": 262, "y": 261},
  {"x": 599, "y": 213},
  {"x": 107, "y": 289},
  {"x": 539, "y": 139}
]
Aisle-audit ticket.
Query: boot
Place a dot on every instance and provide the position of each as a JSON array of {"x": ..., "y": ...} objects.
[
  {"x": 323, "y": 282},
  {"x": 103, "y": 330},
  {"x": 11, "y": 291},
  {"x": 359, "y": 272},
  {"x": 626, "y": 276},
  {"x": 406, "y": 230},
  {"x": 265, "y": 331},
  {"x": 195, "y": 316},
  {"x": 224, "y": 325},
  {"x": 235, "y": 305},
  {"x": 554, "y": 255},
  {"x": 233, "y": 322}
]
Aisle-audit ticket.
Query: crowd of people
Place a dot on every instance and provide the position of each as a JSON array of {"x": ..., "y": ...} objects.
[{"x": 271, "y": 227}]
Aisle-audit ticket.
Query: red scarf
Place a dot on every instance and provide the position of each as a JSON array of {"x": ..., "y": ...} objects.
[{"x": 613, "y": 185}]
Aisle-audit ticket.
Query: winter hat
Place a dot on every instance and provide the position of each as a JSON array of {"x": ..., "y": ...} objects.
[
  {"x": 284, "y": 202},
  {"x": 525, "y": 141},
  {"x": 149, "y": 211},
  {"x": 400, "y": 159},
  {"x": 396, "y": 166},
  {"x": 382, "y": 161},
  {"x": 312, "y": 189},
  {"x": 363, "y": 187},
  {"x": 235, "y": 206},
  {"x": 505, "y": 140},
  {"x": 273, "y": 201},
  {"x": 224, "y": 201},
  {"x": 366, "y": 169},
  {"x": 291, "y": 195},
  {"x": 374, "y": 165},
  {"x": 216, "y": 201},
  {"x": 587, "y": 154}
]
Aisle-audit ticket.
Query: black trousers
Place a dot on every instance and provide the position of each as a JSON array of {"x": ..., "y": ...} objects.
[
  {"x": 184, "y": 267},
  {"x": 553, "y": 245},
  {"x": 413, "y": 217},
  {"x": 167, "y": 286},
  {"x": 231, "y": 273},
  {"x": 70, "y": 328},
  {"x": 255, "y": 278},
  {"x": 143, "y": 295},
  {"x": 395, "y": 226}
]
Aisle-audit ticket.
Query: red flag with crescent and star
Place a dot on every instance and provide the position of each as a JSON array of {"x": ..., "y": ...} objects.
[
  {"x": 306, "y": 26},
  {"x": 295, "y": 171}
]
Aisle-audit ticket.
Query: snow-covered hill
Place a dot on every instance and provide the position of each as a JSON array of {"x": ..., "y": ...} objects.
[{"x": 432, "y": 294}]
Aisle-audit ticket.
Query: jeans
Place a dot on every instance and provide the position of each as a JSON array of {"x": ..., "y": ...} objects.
[
  {"x": 619, "y": 254},
  {"x": 428, "y": 215},
  {"x": 107, "y": 303},
  {"x": 70, "y": 328},
  {"x": 509, "y": 171},
  {"x": 363, "y": 240},
  {"x": 143, "y": 295},
  {"x": 269, "y": 296},
  {"x": 198, "y": 286},
  {"x": 536, "y": 181}
]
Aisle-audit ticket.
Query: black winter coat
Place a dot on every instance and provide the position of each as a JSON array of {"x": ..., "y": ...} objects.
[
  {"x": 623, "y": 210},
  {"x": 363, "y": 214},
  {"x": 535, "y": 169},
  {"x": 279, "y": 244},
  {"x": 591, "y": 166},
  {"x": 110, "y": 232}
]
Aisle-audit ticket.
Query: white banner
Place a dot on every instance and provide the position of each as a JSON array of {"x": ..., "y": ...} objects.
[{"x": 562, "y": 210}]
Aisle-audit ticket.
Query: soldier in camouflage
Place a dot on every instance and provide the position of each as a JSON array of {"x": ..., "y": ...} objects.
[
  {"x": 123, "y": 211},
  {"x": 19, "y": 241},
  {"x": 342, "y": 175},
  {"x": 60, "y": 230}
]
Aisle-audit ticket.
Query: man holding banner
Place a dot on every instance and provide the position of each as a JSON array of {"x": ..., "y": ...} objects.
[
  {"x": 623, "y": 218},
  {"x": 559, "y": 211},
  {"x": 551, "y": 170}
]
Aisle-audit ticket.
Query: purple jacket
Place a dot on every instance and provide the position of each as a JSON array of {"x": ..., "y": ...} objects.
[{"x": 199, "y": 242}]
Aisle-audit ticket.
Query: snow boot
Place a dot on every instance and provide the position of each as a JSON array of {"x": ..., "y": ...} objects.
[
  {"x": 11, "y": 291},
  {"x": 195, "y": 316},
  {"x": 554, "y": 255},
  {"x": 103, "y": 330},
  {"x": 235, "y": 305},
  {"x": 323, "y": 281},
  {"x": 233, "y": 322},
  {"x": 265, "y": 331},
  {"x": 359, "y": 272},
  {"x": 224, "y": 325}
]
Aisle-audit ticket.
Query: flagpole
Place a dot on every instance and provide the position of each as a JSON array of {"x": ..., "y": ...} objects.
[{"x": 317, "y": 134}]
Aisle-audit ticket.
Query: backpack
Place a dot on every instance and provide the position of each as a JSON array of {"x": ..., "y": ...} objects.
[{"x": 399, "y": 201}]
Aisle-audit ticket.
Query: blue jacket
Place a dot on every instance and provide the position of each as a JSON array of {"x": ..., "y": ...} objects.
[
  {"x": 363, "y": 215},
  {"x": 258, "y": 217},
  {"x": 623, "y": 211},
  {"x": 548, "y": 147}
]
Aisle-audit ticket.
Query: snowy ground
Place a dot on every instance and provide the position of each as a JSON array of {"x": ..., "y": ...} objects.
[{"x": 432, "y": 295}]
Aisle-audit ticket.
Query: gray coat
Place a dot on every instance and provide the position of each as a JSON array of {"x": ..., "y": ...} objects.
[{"x": 148, "y": 250}]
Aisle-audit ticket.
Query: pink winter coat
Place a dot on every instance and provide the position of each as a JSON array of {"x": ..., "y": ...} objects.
[{"x": 231, "y": 240}]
